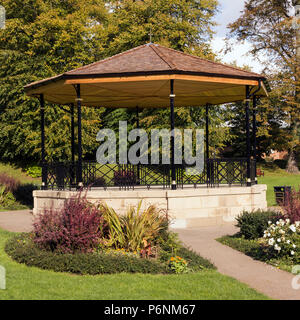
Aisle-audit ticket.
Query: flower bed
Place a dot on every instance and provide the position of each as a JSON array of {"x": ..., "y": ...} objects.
[
  {"x": 93, "y": 239},
  {"x": 275, "y": 241}
]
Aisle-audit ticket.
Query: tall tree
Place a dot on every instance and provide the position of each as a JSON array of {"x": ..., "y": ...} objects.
[
  {"x": 43, "y": 38},
  {"x": 47, "y": 37},
  {"x": 181, "y": 25},
  {"x": 269, "y": 26}
]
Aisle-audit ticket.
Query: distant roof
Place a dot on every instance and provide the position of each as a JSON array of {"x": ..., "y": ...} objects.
[{"x": 146, "y": 60}]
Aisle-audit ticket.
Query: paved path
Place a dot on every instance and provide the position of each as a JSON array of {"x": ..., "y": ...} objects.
[
  {"x": 16, "y": 221},
  {"x": 264, "y": 278}
]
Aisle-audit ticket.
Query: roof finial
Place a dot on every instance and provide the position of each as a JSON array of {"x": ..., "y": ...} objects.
[{"x": 150, "y": 34}]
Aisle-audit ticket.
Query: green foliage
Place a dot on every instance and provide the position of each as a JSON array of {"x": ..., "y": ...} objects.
[
  {"x": 44, "y": 38},
  {"x": 137, "y": 230},
  {"x": 7, "y": 199},
  {"x": 178, "y": 265},
  {"x": 23, "y": 193},
  {"x": 282, "y": 240},
  {"x": 250, "y": 247},
  {"x": 253, "y": 224},
  {"x": 170, "y": 246},
  {"x": 34, "y": 171},
  {"x": 269, "y": 26},
  {"x": 22, "y": 249}
]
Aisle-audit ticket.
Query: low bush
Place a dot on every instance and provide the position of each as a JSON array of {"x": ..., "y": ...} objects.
[
  {"x": 253, "y": 224},
  {"x": 34, "y": 171},
  {"x": 291, "y": 206},
  {"x": 23, "y": 193},
  {"x": 11, "y": 184},
  {"x": 77, "y": 227},
  {"x": 251, "y": 248},
  {"x": 7, "y": 199},
  {"x": 138, "y": 230},
  {"x": 171, "y": 246},
  {"x": 124, "y": 178},
  {"x": 282, "y": 239},
  {"x": 23, "y": 250}
]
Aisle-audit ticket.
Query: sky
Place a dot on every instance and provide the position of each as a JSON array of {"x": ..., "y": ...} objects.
[{"x": 230, "y": 10}]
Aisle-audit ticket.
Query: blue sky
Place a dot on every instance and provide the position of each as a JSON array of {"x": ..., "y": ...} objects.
[{"x": 230, "y": 10}]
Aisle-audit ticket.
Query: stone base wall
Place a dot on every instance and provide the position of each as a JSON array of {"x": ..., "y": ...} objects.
[{"x": 185, "y": 207}]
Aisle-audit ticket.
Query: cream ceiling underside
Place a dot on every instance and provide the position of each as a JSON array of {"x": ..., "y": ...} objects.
[{"x": 148, "y": 92}]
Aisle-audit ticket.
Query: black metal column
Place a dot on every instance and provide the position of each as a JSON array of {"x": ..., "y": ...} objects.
[
  {"x": 79, "y": 172},
  {"x": 248, "y": 141},
  {"x": 44, "y": 167},
  {"x": 254, "y": 135},
  {"x": 138, "y": 153},
  {"x": 207, "y": 142},
  {"x": 172, "y": 120},
  {"x": 72, "y": 134}
]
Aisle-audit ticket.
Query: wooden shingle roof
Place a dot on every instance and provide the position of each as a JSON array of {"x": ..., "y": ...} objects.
[{"x": 140, "y": 76}]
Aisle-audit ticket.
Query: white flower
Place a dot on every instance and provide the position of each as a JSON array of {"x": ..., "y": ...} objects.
[
  {"x": 276, "y": 247},
  {"x": 294, "y": 246},
  {"x": 288, "y": 220},
  {"x": 271, "y": 242},
  {"x": 288, "y": 241},
  {"x": 278, "y": 240},
  {"x": 281, "y": 231},
  {"x": 269, "y": 234},
  {"x": 293, "y": 228},
  {"x": 269, "y": 222},
  {"x": 292, "y": 252}
]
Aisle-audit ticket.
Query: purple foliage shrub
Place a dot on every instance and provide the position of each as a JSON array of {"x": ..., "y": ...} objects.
[
  {"x": 291, "y": 206},
  {"x": 77, "y": 227},
  {"x": 11, "y": 184}
]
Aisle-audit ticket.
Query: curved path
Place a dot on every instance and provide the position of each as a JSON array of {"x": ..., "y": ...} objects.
[
  {"x": 274, "y": 283},
  {"x": 16, "y": 221},
  {"x": 264, "y": 278}
]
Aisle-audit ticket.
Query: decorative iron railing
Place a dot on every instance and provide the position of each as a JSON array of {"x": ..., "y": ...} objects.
[{"x": 63, "y": 175}]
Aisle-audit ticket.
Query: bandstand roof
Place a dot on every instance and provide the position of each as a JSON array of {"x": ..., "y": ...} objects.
[{"x": 141, "y": 77}]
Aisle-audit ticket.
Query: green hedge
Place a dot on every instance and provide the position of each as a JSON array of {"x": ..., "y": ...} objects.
[
  {"x": 253, "y": 224},
  {"x": 21, "y": 249}
]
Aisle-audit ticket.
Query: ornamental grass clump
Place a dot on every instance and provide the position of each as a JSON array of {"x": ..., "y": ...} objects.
[
  {"x": 282, "y": 239},
  {"x": 136, "y": 231},
  {"x": 10, "y": 184},
  {"x": 77, "y": 227}
]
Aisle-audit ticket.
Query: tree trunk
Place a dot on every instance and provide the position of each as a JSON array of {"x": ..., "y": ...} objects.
[{"x": 292, "y": 166}]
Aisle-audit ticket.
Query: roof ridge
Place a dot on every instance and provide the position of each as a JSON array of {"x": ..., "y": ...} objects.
[
  {"x": 106, "y": 59},
  {"x": 171, "y": 64},
  {"x": 210, "y": 61}
]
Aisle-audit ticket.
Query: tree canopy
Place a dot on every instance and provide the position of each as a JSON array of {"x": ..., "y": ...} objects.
[
  {"x": 270, "y": 26},
  {"x": 43, "y": 38}
]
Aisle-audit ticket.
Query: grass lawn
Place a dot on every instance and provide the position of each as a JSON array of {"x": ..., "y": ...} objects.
[
  {"x": 277, "y": 177},
  {"x": 32, "y": 283},
  {"x": 17, "y": 173}
]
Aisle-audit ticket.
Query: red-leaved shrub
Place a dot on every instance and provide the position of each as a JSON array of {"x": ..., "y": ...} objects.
[
  {"x": 291, "y": 206},
  {"x": 11, "y": 184},
  {"x": 76, "y": 227}
]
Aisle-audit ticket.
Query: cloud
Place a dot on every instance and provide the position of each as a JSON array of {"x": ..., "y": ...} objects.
[
  {"x": 240, "y": 54},
  {"x": 229, "y": 11}
]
